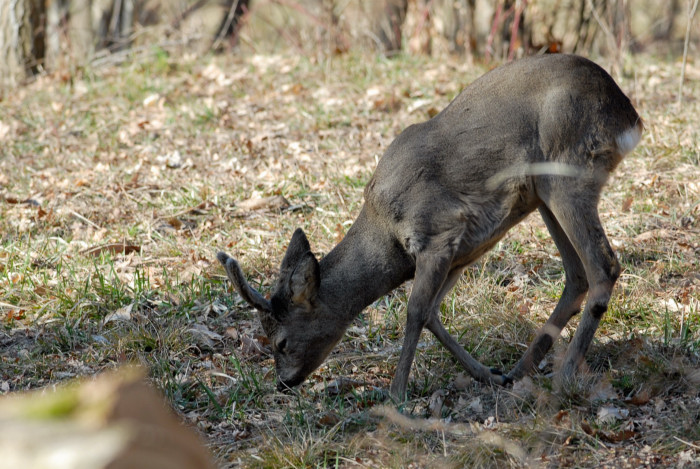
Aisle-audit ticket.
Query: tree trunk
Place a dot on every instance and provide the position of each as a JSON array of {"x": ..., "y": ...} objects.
[
  {"x": 80, "y": 31},
  {"x": 16, "y": 38},
  {"x": 56, "y": 17},
  {"x": 230, "y": 24},
  {"x": 388, "y": 23}
]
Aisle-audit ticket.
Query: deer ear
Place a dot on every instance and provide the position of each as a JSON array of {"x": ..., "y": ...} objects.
[
  {"x": 298, "y": 247},
  {"x": 304, "y": 281}
]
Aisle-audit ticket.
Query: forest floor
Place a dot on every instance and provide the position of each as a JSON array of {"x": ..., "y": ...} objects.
[{"x": 118, "y": 185}]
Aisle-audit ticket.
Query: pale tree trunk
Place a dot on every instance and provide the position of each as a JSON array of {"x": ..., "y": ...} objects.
[
  {"x": 80, "y": 31},
  {"x": 16, "y": 36},
  {"x": 56, "y": 21},
  {"x": 388, "y": 17}
]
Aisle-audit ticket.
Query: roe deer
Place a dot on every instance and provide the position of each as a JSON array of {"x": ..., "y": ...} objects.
[{"x": 539, "y": 133}]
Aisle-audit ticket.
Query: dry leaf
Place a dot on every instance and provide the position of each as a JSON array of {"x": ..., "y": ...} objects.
[
  {"x": 329, "y": 419},
  {"x": 609, "y": 414},
  {"x": 586, "y": 427},
  {"x": 462, "y": 381},
  {"x": 617, "y": 437},
  {"x": 694, "y": 377},
  {"x": 122, "y": 314},
  {"x": 250, "y": 346},
  {"x": 475, "y": 405},
  {"x": 203, "y": 336},
  {"x": 113, "y": 248},
  {"x": 275, "y": 202},
  {"x": 15, "y": 314},
  {"x": 653, "y": 235},
  {"x": 231, "y": 332},
  {"x": 641, "y": 398},
  {"x": 562, "y": 415},
  {"x": 627, "y": 204},
  {"x": 175, "y": 222},
  {"x": 603, "y": 391},
  {"x": 338, "y": 386},
  {"x": 435, "y": 403}
]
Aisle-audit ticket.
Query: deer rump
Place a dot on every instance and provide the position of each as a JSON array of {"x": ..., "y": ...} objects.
[{"x": 540, "y": 133}]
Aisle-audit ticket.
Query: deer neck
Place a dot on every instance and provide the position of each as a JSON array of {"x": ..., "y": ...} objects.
[{"x": 367, "y": 264}]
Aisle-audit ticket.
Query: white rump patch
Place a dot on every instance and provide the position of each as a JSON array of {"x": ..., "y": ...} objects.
[{"x": 629, "y": 139}]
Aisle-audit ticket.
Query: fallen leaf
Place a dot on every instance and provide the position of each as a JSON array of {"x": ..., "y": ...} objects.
[
  {"x": 475, "y": 405},
  {"x": 275, "y": 202},
  {"x": 204, "y": 330},
  {"x": 122, "y": 314},
  {"x": 231, "y": 332},
  {"x": 627, "y": 204},
  {"x": 586, "y": 427},
  {"x": 175, "y": 223},
  {"x": 338, "y": 386},
  {"x": 113, "y": 248},
  {"x": 609, "y": 414},
  {"x": 203, "y": 336},
  {"x": 616, "y": 437},
  {"x": 329, "y": 419},
  {"x": 562, "y": 415},
  {"x": 435, "y": 403},
  {"x": 15, "y": 314},
  {"x": 250, "y": 346},
  {"x": 653, "y": 235},
  {"x": 603, "y": 391},
  {"x": 694, "y": 377},
  {"x": 524, "y": 388},
  {"x": 641, "y": 398},
  {"x": 462, "y": 381}
]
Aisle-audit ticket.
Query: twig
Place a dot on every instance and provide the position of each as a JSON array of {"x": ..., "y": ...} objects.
[
  {"x": 229, "y": 19},
  {"x": 80, "y": 217},
  {"x": 601, "y": 23},
  {"x": 683, "y": 441},
  {"x": 519, "y": 9},
  {"x": 615, "y": 46},
  {"x": 691, "y": 15}
]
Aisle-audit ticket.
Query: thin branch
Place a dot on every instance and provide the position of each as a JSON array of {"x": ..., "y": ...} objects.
[{"x": 229, "y": 19}]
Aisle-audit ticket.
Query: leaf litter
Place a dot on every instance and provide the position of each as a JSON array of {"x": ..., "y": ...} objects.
[{"x": 114, "y": 202}]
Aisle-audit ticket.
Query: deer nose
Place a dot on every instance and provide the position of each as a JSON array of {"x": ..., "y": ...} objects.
[
  {"x": 282, "y": 387},
  {"x": 288, "y": 384}
]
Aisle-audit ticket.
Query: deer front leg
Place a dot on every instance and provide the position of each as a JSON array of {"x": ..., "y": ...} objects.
[{"x": 431, "y": 272}]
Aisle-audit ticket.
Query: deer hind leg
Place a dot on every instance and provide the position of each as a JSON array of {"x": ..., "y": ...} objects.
[
  {"x": 575, "y": 210},
  {"x": 569, "y": 304}
]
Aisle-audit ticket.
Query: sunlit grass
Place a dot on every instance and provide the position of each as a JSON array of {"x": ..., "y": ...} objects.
[{"x": 89, "y": 164}]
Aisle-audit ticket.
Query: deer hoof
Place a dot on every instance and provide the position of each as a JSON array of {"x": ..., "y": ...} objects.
[{"x": 499, "y": 378}]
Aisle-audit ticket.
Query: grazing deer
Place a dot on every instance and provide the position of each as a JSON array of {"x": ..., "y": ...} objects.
[{"x": 540, "y": 133}]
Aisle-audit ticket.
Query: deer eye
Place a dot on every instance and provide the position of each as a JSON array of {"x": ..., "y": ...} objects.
[{"x": 281, "y": 345}]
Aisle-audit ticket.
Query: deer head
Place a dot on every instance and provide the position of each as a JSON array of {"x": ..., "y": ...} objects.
[{"x": 301, "y": 328}]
